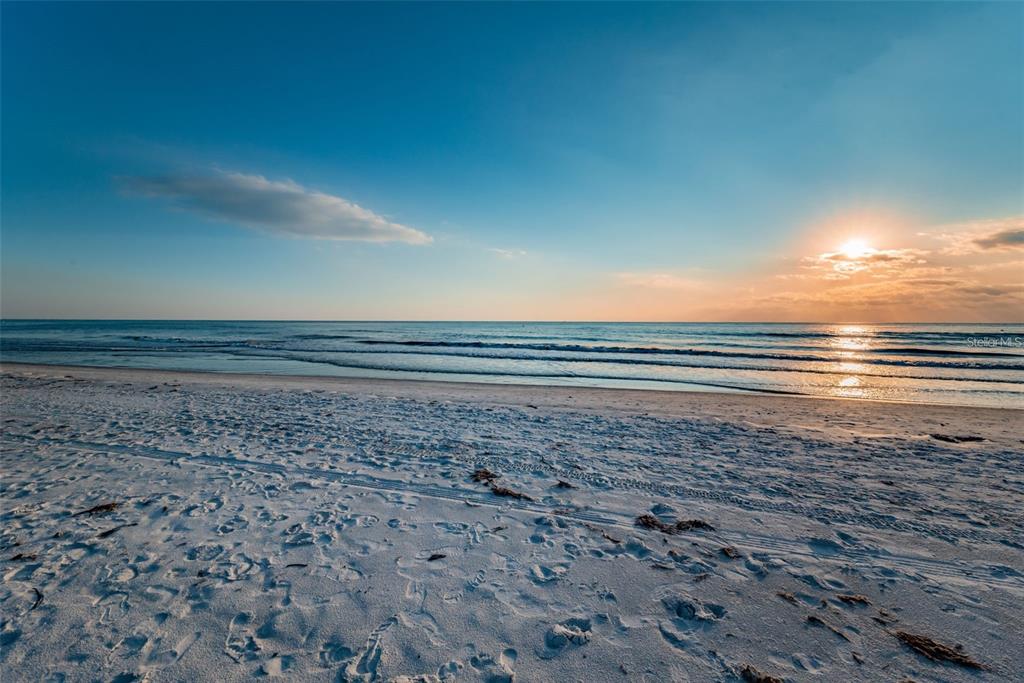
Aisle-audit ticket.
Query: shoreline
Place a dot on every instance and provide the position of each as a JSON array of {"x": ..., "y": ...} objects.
[{"x": 483, "y": 389}]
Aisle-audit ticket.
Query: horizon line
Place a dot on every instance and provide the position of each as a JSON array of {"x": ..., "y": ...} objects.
[{"x": 508, "y": 321}]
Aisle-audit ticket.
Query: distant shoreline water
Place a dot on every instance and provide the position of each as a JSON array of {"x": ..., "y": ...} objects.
[{"x": 958, "y": 364}]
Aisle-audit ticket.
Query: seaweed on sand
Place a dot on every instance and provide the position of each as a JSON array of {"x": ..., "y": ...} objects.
[
  {"x": 751, "y": 675},
  {"x": 854, "y": 599},
  {"x": 604, "y": 534},
  {"x": 956, "y": 438},
  {"x": 97, "y": 509},
  {"x": 787, "y": 596},
  {"x": 111, "y": 532},
  {"x": 937, "y": 652},
  {"x": 484, "y": 476},
  {"x": 652, "y": 522},
  {"x": 818, "y": 621},
  {"x": 508, "y": 493}
]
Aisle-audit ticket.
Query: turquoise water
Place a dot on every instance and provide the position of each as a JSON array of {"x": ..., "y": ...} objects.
[{"x": 966, "y": 364}]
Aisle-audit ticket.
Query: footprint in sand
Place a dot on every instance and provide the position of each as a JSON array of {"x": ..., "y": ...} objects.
[
  {"x": 240, "y": 644},
  {"x": 495, "y": 671},
  {"x": 332, "y": 654},
  {"x": 566, "y": 635},
  {"x": 689, "y": 613},
  {"x": 277, "y": 666},
  {"x": 475, "y": 582},
  {"x": 204, "y": 552},
  {"x": 158, "y": 657},
  {"x": 541, "y": 574}
]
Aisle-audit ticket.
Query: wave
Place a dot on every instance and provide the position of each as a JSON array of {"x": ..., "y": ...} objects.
[
  {"x": 322, "y": 336},
  {"x": 654, "y": 350},
  {"x": 911, "y": 350},
  {"x": 683, "y": 365},
  {"x": 620, "y": 355},
  {"x": 562, "y": 375},
  {"x": 550, "y": 375}
]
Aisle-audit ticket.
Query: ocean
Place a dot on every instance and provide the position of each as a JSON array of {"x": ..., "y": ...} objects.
[{"x": 960, "y": 364}]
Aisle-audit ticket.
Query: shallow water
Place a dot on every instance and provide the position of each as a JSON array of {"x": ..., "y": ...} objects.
[{"x": 968, "y": 364}]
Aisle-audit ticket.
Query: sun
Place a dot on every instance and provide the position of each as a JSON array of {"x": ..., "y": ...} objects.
[{"x": 856, "y": 249}]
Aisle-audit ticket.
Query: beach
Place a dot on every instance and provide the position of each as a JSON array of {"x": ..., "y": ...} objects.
[{"x": 162, "y": 525}]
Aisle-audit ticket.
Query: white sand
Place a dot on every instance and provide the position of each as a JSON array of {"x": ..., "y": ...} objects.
[{"x": 284, "y": 526}]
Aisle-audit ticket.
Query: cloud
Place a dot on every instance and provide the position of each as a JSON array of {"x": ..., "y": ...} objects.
[
  {"x": 978, "y": 236},
  {"x": 1004, "y": 239},
  {"x": 508, "y": 253},
  {"x": 841, "y": 265},
  {"x": 657, "y": 281},
  {"x": 280, "y": 207}
]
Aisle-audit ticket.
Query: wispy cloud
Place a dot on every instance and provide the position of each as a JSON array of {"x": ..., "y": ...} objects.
[
  {"x": 657, "y": 281},
  {"x": 277, "y": 206},
  {"x": 508, "y": 253},
  {"x": 841, "y": 265},
  {"x": 967, "y": 238}
]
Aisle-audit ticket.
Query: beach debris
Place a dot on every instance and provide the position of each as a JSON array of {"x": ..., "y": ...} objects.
[
  {"x": 484, "y": 476},
  {"x": 854, "y": 599},
  {"x": 436, "y": 556},
  {"x": 97, "y": 509},
  {"x": 730, "y": 552},
  {"x": 955, "y": 438},
  {"x": 937, "y": 652},
  {"x": 605, "y": 535},
  {"x": 498, "y": 528},
  {"x": 300, "y": 565},
  {"x": 111, "y": 532},
  {"x": 885, "y": 617},
  {"x": 23, "y": 557},
  {"x": 647, "y": 521},
  {"x": 818, "y": 621},
  {"x": 788, "y": 597},
  {"x": 39, "y": 599},
  {"x": 751, "y": 675},
  {"x": 564, "y": 485},
  {"x": 508, "y": 493}
]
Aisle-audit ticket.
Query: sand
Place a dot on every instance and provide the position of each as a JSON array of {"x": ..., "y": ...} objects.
[{"x": 183, "y": 526}]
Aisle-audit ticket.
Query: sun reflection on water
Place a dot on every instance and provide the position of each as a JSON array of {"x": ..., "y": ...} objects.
[
  {"x": 851, "y": 338},
  {"x": 849, "y": 342}
]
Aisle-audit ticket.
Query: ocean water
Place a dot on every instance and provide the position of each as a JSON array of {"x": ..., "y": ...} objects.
[{"x": 969, "y": 364}]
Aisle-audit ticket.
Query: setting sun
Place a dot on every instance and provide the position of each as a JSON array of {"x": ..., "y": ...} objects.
[{"x": 855, "y": 249}]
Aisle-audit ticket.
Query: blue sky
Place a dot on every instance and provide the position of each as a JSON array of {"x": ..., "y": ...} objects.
[{"x": 525, "y": 161}]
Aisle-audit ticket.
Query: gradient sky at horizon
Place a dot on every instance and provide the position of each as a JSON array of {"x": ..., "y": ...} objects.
[{"x": 513, "y": 161}]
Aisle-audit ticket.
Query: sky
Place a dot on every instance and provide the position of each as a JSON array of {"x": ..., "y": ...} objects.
[{"x": 853, "y": 162}]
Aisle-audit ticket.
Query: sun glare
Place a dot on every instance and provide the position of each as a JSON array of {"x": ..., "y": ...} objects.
[{"x": 855, "y": 249}]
